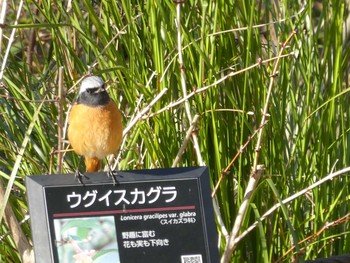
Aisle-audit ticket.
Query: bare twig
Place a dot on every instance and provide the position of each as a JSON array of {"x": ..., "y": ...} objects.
[
  {"x": 24, "y": 248},
  {"x": 223, "y": 174},
  {"x": 119, "y": 153},
  {"x": 17, "y": 163},
  {"x": 143, "y": 112},
  {"x": 269, "y": 92},
  {"x": 260, "y": 25},
  {"x": 21, "y": 241},
  {"x": 219, "y": 33},
  {"x": 181, "y": 63},
  {"x": 256, "y": 168},
  {"x": 2, "y": 20},
  {"x": 229, "y": 75},
  {"x": 183, "y": 83},
  {"x": 219, "y": 219},
  {"x": 60, "y": 124},
  {"x": 291, "y": 198},
  {"x": 184, "y": 143},
  {"x": 26, "y": 100},
  {"x": 119, "y": 32},
  {"x": 32, "y": 40},
  {"x": 53, "y": 153},
  {"x": 25, "y": 219},
  {"x": 188, "y": 112},
  {"x": 328, "y": 225},
  {"x": 11, "y": 39},
  {"x": 240, "y": 151}
]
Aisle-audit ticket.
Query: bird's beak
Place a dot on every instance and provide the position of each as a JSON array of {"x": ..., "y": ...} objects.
[{"x": 99, "y": 90}]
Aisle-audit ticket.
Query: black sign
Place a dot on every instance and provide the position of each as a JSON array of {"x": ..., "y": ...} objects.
[{"x": 161, "y": 215}]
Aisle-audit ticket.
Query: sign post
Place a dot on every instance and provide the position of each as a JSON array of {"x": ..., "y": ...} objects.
[{"x": 160, "y": 215}]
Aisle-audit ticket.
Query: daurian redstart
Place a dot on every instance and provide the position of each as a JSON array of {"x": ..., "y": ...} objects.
[{"x": 95, "y": 126}]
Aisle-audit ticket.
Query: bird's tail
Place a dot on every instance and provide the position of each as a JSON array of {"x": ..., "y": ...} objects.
[{"x": 92, "y": 164}]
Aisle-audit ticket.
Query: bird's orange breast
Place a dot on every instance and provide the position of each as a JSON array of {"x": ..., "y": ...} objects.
[{"x": 95, "y": 132}]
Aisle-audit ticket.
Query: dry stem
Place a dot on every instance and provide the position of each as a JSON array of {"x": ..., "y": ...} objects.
[
  {"x": 256, "y": 168},
  {"x": 60, "y": 124}
]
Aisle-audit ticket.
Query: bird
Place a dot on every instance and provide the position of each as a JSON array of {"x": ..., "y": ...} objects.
[{"x": 95, "y": 128}]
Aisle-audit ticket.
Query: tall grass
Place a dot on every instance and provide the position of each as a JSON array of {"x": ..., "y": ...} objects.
[{"x": 228, "y": 52}]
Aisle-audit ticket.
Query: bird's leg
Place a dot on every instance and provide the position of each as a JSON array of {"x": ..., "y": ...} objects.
[
  {"x": 78, "y": 174},
  {"x": 112, "y": 174}
]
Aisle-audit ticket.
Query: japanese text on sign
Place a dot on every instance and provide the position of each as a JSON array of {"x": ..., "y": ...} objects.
[
  {"x": 117, "y": 197},
  {"x": 144, "y": 238}
]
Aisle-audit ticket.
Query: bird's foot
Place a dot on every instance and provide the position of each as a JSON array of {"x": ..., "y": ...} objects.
[
  {"x": 79, "y": 176},
  {"x": 114, "y": 175}
]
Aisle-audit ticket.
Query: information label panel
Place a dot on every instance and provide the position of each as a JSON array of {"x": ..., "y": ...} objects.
[{"x": 160, "y": 215}]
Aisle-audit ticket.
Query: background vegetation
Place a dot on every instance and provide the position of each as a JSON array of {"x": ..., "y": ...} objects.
[{"x": 286, "y": 120}]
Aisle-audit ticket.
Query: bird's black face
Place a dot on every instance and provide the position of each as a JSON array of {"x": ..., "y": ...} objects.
[
  {"x": 92, "y": 92},
  {"x": 94, "y": 97}
]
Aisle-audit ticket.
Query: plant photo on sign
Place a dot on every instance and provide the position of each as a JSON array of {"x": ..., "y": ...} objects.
[{"x": 92, "y": 239}]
